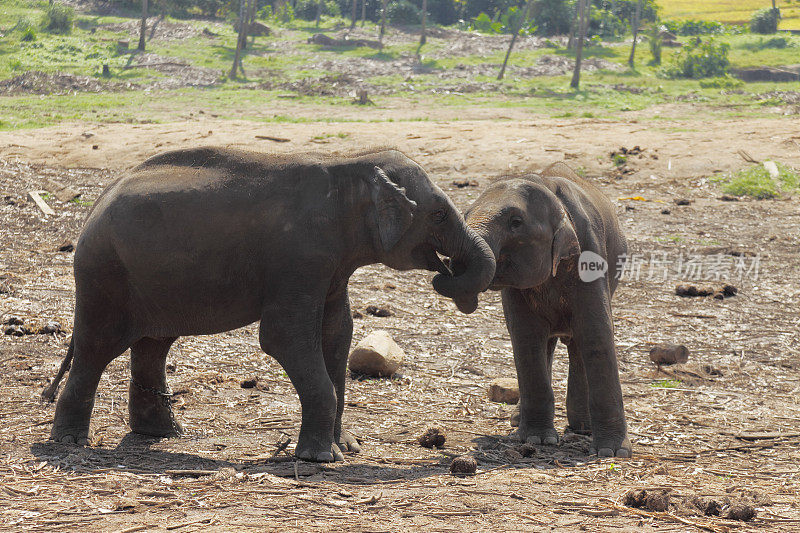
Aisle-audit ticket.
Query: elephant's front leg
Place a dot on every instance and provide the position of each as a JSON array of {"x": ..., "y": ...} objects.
[
  {"x": 533, "y": 357},
  {"x": 593, "y": 335},
  {"x": 337, "y": 332},
  {"x": 290, "y": 331}
]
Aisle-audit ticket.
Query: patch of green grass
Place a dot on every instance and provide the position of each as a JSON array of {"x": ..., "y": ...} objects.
[
  {"x": 667, "y": 384},
  {"x": 670, "y": 238},
  {"x": 80, "y": 201},
  {"x": 755, "y": 181}
]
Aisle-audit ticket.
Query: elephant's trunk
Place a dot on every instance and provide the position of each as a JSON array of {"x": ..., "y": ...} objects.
[{"x": 473, "y": 266}]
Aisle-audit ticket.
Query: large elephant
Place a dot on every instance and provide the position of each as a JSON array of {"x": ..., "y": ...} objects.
[
  {"x": 536, "y": 227},
  {"x": 206, "y": 240}
]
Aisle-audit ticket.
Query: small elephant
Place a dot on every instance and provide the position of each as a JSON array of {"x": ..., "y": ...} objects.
[
  {"x": 201, "y": 241},
  {"x": 536, "y": 227}
]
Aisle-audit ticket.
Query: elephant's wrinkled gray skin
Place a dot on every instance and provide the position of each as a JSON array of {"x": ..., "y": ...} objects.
[
  {"x": 537, "y": 226},
  {"x": 201, "y": 241}
]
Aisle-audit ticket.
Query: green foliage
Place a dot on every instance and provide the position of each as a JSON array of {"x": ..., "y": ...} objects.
[
  {"x": 765, "y": 20},
  {"x": 283, "y": 14},
  {"x": 655, "y": 43},
  {"x": 473, "y": 8},
  {"x": 701, "y": 59},
  {"x": 605, "y": 24},
  {"x": 667, "y": 384},
  {"x": 725, "y": 82},
  {"x": 506, "y": 23},
  {"x": 625, "y": 10},
  {"x": 307, "y": 9},
  {"x": 58, "y": 19},
  {"x": 756, "y": 182},
  {"x": 696, "y": 27},
  {"x": 552, "y": 17},
  {"x": 483, "y": 24},
  {"x": 777, "y": 43},
  {"x": 29, "y": 34},
  {"x": 403, "y": 12}
]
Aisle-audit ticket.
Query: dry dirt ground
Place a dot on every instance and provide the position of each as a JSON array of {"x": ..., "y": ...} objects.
[{"x": 725, "y": 428}]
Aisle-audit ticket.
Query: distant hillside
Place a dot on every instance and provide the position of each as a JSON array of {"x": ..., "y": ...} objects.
[{"x": 729, "y": 11}]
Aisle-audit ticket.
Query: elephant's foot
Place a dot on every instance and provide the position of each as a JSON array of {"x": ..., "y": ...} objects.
[
  {"x": 537, "y": 434},
  {"x": 70, "y": 434},
  {"x": 514, "y": 418},
  {"x": 348, "y": 443},
  {"x": 579, "y": 421},
  {"x": 317, "y": 450},
  {"x": 609, "y": 446},
  {"x": 151, "y": 413}
]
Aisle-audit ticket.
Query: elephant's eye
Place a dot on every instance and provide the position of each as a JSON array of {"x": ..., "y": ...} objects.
[
  {"x": 439, "y": 216},
  {"x": 515, "y": 223}
]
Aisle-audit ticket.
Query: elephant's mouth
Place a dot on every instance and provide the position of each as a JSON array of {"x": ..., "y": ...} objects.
[
  {"x": 501, "y": 270},
  {"x": 433, "y": 262}
]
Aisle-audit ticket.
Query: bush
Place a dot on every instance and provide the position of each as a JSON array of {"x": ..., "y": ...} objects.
[
  {"x": 58, "y": 19},
  {"x": 757, "y": 182},
  {"x": 473, "y": 8},
  {"x": 695, "y": 27},
  {"x": 403, "y": 12},
  {"x": 721, "y": 83},
  {"x": 765, "y": 20},
  {"x": 700, "y": 60},
  {"x": 552, "y": 17},
  {"x": 625, "y": 10},
  {"x": 655, "y": 43},
  {"x": 761, "y": 44},
  {"x": 307, "y": 9},
  {"x": 284, "y": 13},
  {"x": 482, "y": 23},
  {"x": 604, "y": 23}
]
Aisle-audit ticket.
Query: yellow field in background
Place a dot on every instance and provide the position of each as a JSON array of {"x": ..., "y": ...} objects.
[{"x": 729, "y": 11}]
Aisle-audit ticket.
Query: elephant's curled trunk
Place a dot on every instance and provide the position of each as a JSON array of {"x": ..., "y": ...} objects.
[{"x": 473, "y": 265}]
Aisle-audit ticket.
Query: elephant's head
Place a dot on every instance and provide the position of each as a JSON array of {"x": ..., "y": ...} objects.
[
  {"x": 413, "y": 223},
  {"x": 527, "y": 228}
]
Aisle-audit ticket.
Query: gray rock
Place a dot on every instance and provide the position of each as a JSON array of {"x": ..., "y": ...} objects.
[
  {"x": 376, "y": 355},
  {"x": 669, "y": 354}
]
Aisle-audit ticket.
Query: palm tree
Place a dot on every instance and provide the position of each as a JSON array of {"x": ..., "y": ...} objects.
[
  {"x": 576, "y": 75},
  {"x": 143, "y": 27}
]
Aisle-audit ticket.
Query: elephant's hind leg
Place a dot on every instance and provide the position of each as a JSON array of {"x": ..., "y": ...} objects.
[
  {"x": 75, "y": 404},
  {"x": 149, "y": 399},
  {"x": 578, "y": 416}
]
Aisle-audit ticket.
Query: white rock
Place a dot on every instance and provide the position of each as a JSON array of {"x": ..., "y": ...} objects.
[
  {"x": 772, "y": 168},
  {"x": 377, "y": 355}
]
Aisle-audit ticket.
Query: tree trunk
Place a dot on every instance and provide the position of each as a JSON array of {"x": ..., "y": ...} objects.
[
  {"x": 354, "y": 16},
  {"x": 423, "y": 37},
  {"x": 573, "y": 27},
  {"x": 237, "y": 57},
  {"x": 773, "y": 5},
  {"x": 636, "y": 22},
  {"x": 576, "y": 75},
  {"x": 143, "y": 27},
  {"x": 383, "y": 20},
  {"x": 523, "y": 19},
  {"x": 251, "y": 19},
  {"x": 363, "y": 12},
  {"x": 319, "y": 12}
]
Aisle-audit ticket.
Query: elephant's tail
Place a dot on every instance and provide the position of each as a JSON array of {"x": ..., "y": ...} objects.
[{"x": 49, "y": 394}]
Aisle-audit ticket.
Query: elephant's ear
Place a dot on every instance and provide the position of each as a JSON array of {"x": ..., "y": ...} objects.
[
  {"x": 565, "y": 242},
  {"x": 393, "y": 210}
]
